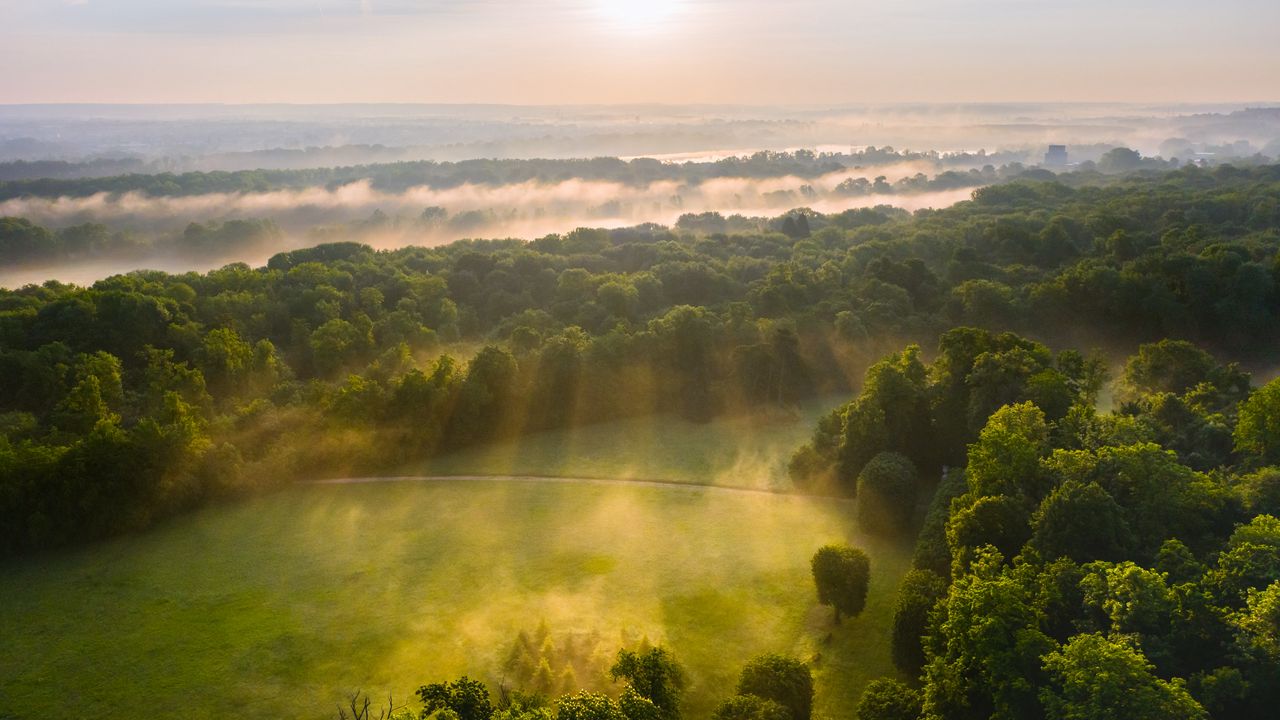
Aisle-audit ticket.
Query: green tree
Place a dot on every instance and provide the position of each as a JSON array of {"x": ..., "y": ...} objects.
[
  {"x": 891, "y": 413},
  {"x": 484, "y": 398},
  {"x": 1119, "y": 160},
  {"x": 336, "y": 344},
  {"x": 467, "y": 699},
  {"x": 998, "y": 521},
  {"x": 1098, "y": 678},
  {"x": 783, "y": 680},
  {"x": 842, "y": 575},
  {"x": 888, "y": 699},
  {"x": 1006, "y": 458},
  {"x": 1125, "y": 598},
  {"x": 637, "y": 707},
  {"x": 1261, "y": 491},
  {"x": 919, "y": 593},
  {"x": 588, "y": 706},
  {"x": 1251, "y": 560},
  {"x": 1175, "y": 366},
  {"x": 83, "y": 408},
  {"x": 984, "y": 653},
  {"x": 655, "y": 676},
  {"x": 226, "y": 359},
  {"x": 887, "y": 493},
  {"x": 1081, "y": 522},
  {"x": 1258, "y": 428},
  {"x": 109, "y": 371},
  {"x": 1260, "y": 620},
  {"x": 750, "y": 707}
]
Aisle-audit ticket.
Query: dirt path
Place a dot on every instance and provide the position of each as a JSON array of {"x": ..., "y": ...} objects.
[{"x": 668, "y": 484}]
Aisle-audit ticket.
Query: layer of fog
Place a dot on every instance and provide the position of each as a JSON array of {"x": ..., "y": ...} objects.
[
  {"x": 388, "y": 220},
  {"x": 180, "y": 138}
]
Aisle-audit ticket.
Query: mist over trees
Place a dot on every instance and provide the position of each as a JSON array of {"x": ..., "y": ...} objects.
[
  {"x": 1058, "y": 539},
  {"x": 219, "y": 372},
  {"x": 73, "y": 226},
  {"x": 400, "y": 176}
]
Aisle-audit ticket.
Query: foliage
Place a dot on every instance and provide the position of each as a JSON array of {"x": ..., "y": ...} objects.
[
  {"x": 464, "y": 699},
  {"x": 1258, "y": 430},
  {"x": 750, "y": 707},
  {"x": 920, "y": 591},
  {"x": 1103, "y": 565},
  {"x": 842, "y": 575},
  {"x": 588, "y": 706},
  {"x": 1080, "y": 522},
  {"x": 886, "y": 699},
  {"x": 781, "y": 679},
  {"x": 715, "y": 315},
  {"x": 887, "y": 493},
  {"x": 1093, "y": 677},
  {"x": 655, "y": 676}
]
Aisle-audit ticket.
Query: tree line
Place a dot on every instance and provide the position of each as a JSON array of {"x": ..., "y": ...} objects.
[
  {"x": 58, "y": 179},
  {"x": 148, "y": 393}
]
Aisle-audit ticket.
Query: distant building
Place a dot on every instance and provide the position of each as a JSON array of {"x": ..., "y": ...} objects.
[{"x": 1057, "y": 156}]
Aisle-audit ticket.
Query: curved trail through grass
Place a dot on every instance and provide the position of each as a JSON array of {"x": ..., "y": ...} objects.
[{"x": 559, "y": 480}]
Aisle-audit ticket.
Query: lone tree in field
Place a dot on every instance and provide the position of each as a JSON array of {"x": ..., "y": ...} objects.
[{"x": 842, "y": 574}]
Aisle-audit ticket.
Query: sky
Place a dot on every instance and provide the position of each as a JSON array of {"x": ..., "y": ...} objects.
[{"x": 639, "y": 51}]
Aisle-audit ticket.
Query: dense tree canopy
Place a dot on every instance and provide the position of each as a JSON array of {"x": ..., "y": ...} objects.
[{"x": 1093, "y": 572}]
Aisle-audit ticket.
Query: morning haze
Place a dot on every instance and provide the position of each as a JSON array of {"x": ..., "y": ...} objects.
[
  {"x": 639, "y": 359},
  {"x": 625, "y": 51}
]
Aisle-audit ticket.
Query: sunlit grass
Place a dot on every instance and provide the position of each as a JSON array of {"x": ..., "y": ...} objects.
[
  {"x": 276, "y": 607},
  {"x": 280, "y": 605},
  {"x": 750, "y": 452}
]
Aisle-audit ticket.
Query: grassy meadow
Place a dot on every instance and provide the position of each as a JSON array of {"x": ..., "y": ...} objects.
[
  {"x": 277, "y": 606},
  {"x": 734, "y": 451},
  {"x": 280, "y": 605}
]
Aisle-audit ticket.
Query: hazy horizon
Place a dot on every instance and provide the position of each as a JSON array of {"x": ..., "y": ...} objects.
[{"x": 609, "y": 52}]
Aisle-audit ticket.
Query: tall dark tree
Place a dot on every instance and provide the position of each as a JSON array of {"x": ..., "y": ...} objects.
[
  {"x": 887, "y": 493},
  {"x": 919, "y": 593}
]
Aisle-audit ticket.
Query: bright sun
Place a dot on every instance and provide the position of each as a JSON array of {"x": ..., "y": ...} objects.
[{"x": 638, "y": 14}]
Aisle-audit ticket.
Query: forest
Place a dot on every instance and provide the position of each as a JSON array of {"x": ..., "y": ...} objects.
[
  {"x": 1072, "y": 563},
  {"x": 165, "y": 387},
  {"x": 39, "y": 181},
  {"x": 1072, "y": 433}
]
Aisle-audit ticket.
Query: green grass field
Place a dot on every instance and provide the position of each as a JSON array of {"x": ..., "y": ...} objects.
[
  {"x": 277, "y": 606},
  {"x": 280, "y": 605},
  {"x": 747, "y": 451}
]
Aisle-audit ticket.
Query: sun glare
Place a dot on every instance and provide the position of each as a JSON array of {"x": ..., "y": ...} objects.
[{"x": 638, "y": 14}]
